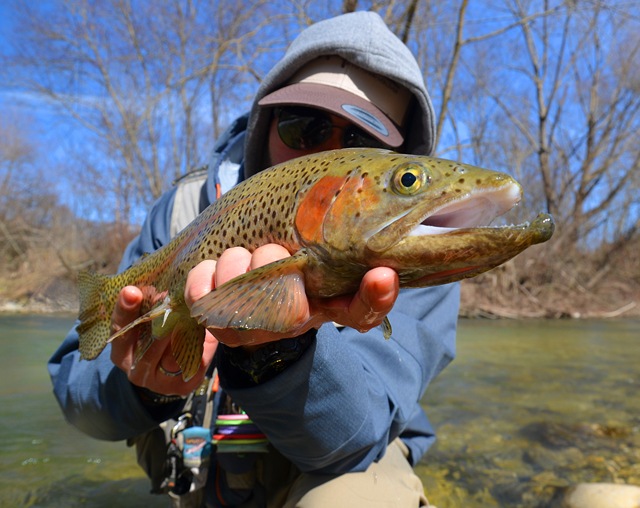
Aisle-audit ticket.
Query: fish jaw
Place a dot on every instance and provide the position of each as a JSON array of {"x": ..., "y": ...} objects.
[
  {"x": 432, "y": 256},
  {"x": 478, "y": 208},
  {"x": 449, "y": 207},
  {"x": 455, "y": 241}
]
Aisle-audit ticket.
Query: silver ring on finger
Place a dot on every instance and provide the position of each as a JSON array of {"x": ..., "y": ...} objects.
[{"x": 168, "y": 372}]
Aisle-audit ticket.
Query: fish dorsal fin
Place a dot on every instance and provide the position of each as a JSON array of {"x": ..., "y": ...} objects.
[{"x": 267, "y": 298}]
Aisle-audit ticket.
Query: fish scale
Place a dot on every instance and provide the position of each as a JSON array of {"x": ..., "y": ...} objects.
[{"x": 339, "y": 214}]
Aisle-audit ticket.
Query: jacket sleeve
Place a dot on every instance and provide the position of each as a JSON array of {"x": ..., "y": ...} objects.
[
  {"x": 350, "y": 394},
  {"x": 95, "y": 396}
]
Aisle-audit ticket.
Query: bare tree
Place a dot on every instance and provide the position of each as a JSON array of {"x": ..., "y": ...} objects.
[
  {"x": 149, "y": 83},
  {"x": 547, "y": 90},
  {"x": 16, "y": 157},
  {"x": 582, "y": 113},
  {"x": 32, "y": 221}
]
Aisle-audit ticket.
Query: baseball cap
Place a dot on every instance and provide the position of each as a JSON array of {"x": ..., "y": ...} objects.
[{"x": 374, "y": 103}]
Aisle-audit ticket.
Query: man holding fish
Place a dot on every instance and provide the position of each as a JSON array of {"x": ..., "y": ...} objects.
[{"x": 334, "y": 413}]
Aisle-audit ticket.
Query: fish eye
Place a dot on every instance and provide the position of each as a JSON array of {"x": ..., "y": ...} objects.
[{"x": 409, "y": 178}]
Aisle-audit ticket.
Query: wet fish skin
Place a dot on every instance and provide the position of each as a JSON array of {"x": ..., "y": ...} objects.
[
  {"x": 339, "y": 214},
  {"x": 491, "y": 248}
]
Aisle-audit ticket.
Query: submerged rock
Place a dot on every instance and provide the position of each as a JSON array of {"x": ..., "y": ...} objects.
[
  {"x": 586, "y": 436},
  {"x": 602, "y": 495}
]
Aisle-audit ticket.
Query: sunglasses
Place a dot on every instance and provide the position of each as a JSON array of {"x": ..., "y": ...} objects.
[{"x": 303, "y": 128}]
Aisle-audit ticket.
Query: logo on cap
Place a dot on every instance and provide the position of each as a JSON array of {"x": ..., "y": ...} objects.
[{"x": 366, "y": 117}]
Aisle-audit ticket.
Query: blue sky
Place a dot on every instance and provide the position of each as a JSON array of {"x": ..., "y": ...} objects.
[
  {"x": 5, "y": 20},
  {"x": 55, "y": 135}
]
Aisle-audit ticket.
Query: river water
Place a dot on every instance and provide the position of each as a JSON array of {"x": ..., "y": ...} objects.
[{"x": 527, "y": 409}]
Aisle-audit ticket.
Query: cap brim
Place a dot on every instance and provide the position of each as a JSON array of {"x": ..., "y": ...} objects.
[{"x": 355, "y": 109}]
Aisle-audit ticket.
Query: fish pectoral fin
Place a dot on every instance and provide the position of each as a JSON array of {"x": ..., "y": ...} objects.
[
  {"x": 160, "y": 311},
  {"x": 269, "y": 298}
]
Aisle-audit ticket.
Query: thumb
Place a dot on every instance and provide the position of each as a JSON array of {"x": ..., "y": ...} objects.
[{"x": 127, "y": 307}]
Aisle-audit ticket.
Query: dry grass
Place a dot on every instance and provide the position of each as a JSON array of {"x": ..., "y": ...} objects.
[{"x": 539, "y": 283}]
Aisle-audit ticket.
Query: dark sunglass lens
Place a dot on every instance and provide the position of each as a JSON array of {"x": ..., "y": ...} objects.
[
  {"x": 356, "y": 138},
  {"x": 303, "y": 129}
]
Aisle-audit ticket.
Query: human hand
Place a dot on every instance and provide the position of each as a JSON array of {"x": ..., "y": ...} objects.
[
  {"x": 364, "y": 310},
  {"x": 150, "y": 371}
]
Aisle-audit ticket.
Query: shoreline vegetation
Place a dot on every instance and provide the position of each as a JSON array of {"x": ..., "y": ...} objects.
[
  {"x": 534, "y": 285},
  {"x": 558, "y": 108},
  {"x": 486, "y": 307}
]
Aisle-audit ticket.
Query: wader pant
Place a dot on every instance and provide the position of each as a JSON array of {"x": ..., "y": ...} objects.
[{"x": 388, "y": 483}]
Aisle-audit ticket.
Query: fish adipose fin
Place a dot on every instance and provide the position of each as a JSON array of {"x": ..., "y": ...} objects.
[{"x": 267, "y": 298}]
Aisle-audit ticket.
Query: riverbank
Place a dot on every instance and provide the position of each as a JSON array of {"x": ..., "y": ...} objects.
[
  {"x": 483, "y": 297},
  {"x": 545, "y": 282},
  {"x": 38, "y": 307},
  {"x": 58, "y": 297}
]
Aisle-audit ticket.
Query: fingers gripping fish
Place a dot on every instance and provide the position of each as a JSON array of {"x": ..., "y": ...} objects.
[{"x": 339, "y": 213}]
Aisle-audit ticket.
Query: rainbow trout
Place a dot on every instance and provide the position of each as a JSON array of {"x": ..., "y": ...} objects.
[{"x": 339, "y": 214}]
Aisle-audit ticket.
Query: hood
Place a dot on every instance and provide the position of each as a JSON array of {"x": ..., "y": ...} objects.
[{"x": 363, "y": 39}]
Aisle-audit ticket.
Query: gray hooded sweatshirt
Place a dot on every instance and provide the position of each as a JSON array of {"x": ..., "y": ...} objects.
[
  {"x": 337, "y": 407},
  {"x": 363, "y": 39}
]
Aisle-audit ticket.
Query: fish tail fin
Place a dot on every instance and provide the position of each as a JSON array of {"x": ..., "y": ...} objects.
[{"x": 96, "y": 306}]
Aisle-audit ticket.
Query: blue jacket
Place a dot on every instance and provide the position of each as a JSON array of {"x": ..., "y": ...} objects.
[{"x": 333, "y": 411}]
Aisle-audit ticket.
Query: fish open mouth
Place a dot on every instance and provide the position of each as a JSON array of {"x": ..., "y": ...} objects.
[{"x": 477, "y": 209}]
